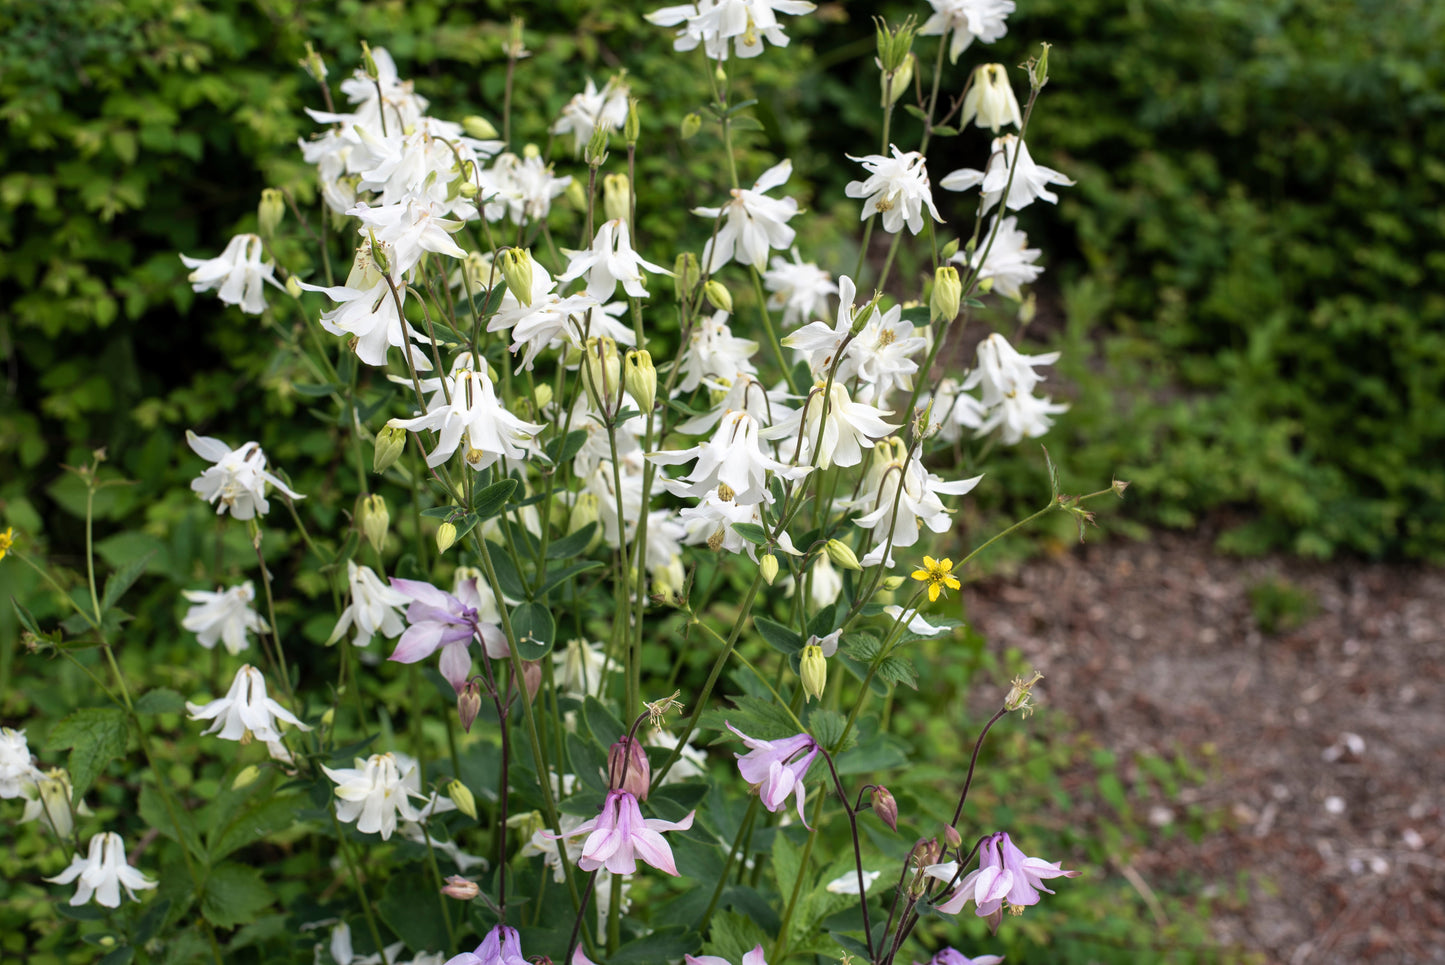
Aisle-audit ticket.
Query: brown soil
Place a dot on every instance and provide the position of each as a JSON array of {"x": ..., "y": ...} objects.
[{"x": 1324, "y": 740}]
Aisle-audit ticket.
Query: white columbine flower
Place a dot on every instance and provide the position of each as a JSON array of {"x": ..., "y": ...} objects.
[
  {"x": 492, "y": 432},
  {"x": 990, "y": 102},
  {"x": 246, "y": 713},
  {"x": 1030, "y": 180},
  {"x": 1006, "y": 380},
  {"x": 799, "y": 289},
  {"x": 521, "y": 189},
  {"x": 881, "y": 356},
  {"x": 580, "y": 668},
  {"x": 17, "y": 767},
  {"x": 592, "y": 109},
  {"x": 103, "y": 872},
  {"x": 747, "y": 23},
  {"x": 411, "y": 227},
  {"x": 1010, "y": 261},
  {"x": 841, "y": 437},
  {"x": 238, "y": 479},
  {"x": 753, "y": 223},
  {"x": 713, "y": 352},
  {"x": 375, "y": 608},
  {"x": 968, "y": 19},
  {"x": 609, "y": 261},
  {"x": 372, "y": 794},
  {"x": 819, "y": 342},
  {"x": 238, "y": 272},
  {"x": 711, "y": 522},
  {"x": 732, "y": 463},
  {"x": 897, "y": 477},
  {"x": 225, "y": 615},
  {"x": 897, "y": 188},
  {"x": 367, "y": 308}
]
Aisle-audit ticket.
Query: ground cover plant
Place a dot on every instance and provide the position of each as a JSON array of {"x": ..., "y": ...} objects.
[{"x": 577, "y": 502}]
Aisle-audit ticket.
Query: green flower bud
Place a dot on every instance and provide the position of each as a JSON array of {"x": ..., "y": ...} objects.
[
  {"x": 768, "y": 567},
  {"x": 446, "y": 537},
  {"x": 270, "y": 212},
  {"x": 373, "y": 518},
  {"x": 293, "y": 286},
  {"x": 246, "y": 777},
  {"x": 892, "y": 583},
  {"x": 595, "y": 153},
  {"x": 479, "y": 128},
  {"x": 640, "y": 377},
  {"x": 1039, "y": 69},
  {"x": 632, "y": 127},
  {"x": 516, "y": 267},
  {"x": 691, "y": 124},
  {"x": 813, "y": 668},
  {"x": 368, "y": 63},
  {"x": 894, "y": 44},
  {"x": 685, "y": 275},
  {"x": 616, "y": 197},
  {"x": 947, "y": 292},
  {"x": 542, "y": 396},
  {"x": 390, "y": 441},
  {"x": 584, "y": 511},
  {"x": 602, "y": 372},
  {"x": 842, "y": 555},
  {"x": 893, "y": 84},
  {"x": 462, "y": 797},
  {"x": 313, "y": 64},
  {"x": 949, "y": 250},
  {"x": 717, "y": 295}
]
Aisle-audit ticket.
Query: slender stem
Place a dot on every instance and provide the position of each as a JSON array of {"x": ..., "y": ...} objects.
[
  {"x": 781, "y": 944},
  {"x": 857, "y": 850},
  {"x": 366, "y": 910},
  {"x": 972, "y": 763},
  {"x": 745, "y": 830}
]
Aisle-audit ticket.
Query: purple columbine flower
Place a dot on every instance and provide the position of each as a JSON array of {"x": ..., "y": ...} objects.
[
  {"x": 1005, "y": 876},
  {"x": 502, "y": 946},
  {"x": 620, "y": 835},
  {"x": 952, "y": 956},
  {"x": 754, "y": 957},
  {"x": 777, "y": 768},
  {"x": 439, "y": 620}
]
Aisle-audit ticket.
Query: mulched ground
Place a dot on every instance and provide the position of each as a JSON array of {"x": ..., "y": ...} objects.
[{"x": 1325, "y": 739}]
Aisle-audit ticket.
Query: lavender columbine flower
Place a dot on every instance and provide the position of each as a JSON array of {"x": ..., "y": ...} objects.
[
  {"x": 620, "y": 835},
  {"x": 777, "y": 768},
  {"x": 754, "y": 957},
  {"x": 1005, "y": 876},
  {"x": 952, "y": 956},
  {"x": 502, "y": 946},
  {"x": 442, "y": 621}
]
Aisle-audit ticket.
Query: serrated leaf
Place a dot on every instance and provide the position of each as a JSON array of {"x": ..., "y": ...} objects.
[
  {"x": 826, "y": 726},
  {"x": 122, "y": 579},
  {"x": 897, "y": 669},
  {"x": 489, "y": 501},
  {"x": 263, "y": 817},
  {"x": 780, "y": 638},
  {"x": 881, "y": 752},
  {"x": 96, "y": 736},
  {"x": 153, "y": 811},
  {"x": 535, "y": 629},
  {"x": 161, "y": 700},
  {"x": 859, "y": 646},
  {"x": 234, "y": 895},
  {"x": 751, "y": 532},
  {"x": 662, "y": 945},
  {"x": 755, "y": 717}
]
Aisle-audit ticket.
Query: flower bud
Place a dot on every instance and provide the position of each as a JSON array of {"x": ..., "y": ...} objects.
[
  {"x": 947, "y": 252},
  {"x": 313, "y": 64},
  {"x": 768, "y": 567},
  {"x": 270, "y": 212},
  {"x": 947, "y": 293},
  {"x": 640, "y": 377},
  {"x": 685, "y": 275},
  {"x": 842, "y": 555},
  {"x": 885, "y": 807},
  {"x": 892, "y": 583},
  {"x": 990, "y": 102},
  {"x": 368, "y": 63},
  {"x": 691, "y": 124},
  {"x": 952, "y": 837},
  {"x": 462, "y": 889},
  {"x": 328, "y": 718},
  {"x": 1039, "y": 69},
  {"x": 390, "y": 441},
  {"x": 1028, "y": 308},
  {"x": 893, "y": 84},
  {"x": 542, "y": 396},
  {"x": 516, "y": 44},
  {"x": 469, "y": 704},
  {"x": 595, "y": 153},
  {"x": 446, "y": 537},
  {"x": 373, "y": 518},
  {"x": 717, "y": 295},
  {"x": 576, "y": 195},
  {"x": 813, "y": 668},
  {"x": 516, "y": 268},
  {"x": 532, "y": 677},
  {"x": 584, "y": 511},
  {"x": 602, "y": 372},
  {"x": 479, "y": 128},
  {"x": 632, "y": 127},
  {"x": 462, "y": 797},
  {"x": 627, "y": 768},
  {"x": 293, "y": 286},
  {"x": 246, "y": 777},
  {"x": 894, "y": 44},
  {"x": 616, "y": 198}
]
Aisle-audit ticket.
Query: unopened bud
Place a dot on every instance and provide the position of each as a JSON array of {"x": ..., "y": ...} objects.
[
  {"x": 813, "y": 668},
  {"x": 246, "y": 777},
  {"x": 374, "y": 520},
  {"x": 947, "y": 293},
  {"x": 768, "y": 567},
  {"x": 640, "y": 377},
  {"x": 685, "y": 275},
  {"x": 602, "y": 372},
  {"x": 469, "y": 704},
  {"x": 1028, "y": 308},
  {"x": 328, "y": 718},
  {"x": 479, "y": 128},
  {"x": 516, "y": 268},
  {"x": 595, "y": 153},
  {"x": 1039, "y": 69},
  {"x": 627, "y": 768},
  {"x": 532, "y": 677},
  {"x": 313, "y": 64},
  {"x": 632, "y": 127},
  {"x": 368, "y": 63},
  {"x": 462, "y": 889},
  {"x": 717, "y": 295},
  {"x": 446, "y": 537},
  {"x": 462, "y": 797},
  {"x": 584, "y": 512},
  {"x": 542, "y": 396},
  {"x": 293, "y": 286},
  {"x": 885, "y": 807},
  {"x": 842, "y": 555},
  {"x": 952, "y": 837},
  {"x": 691, "y": 124},
  {"x": 893, "y": 84},
  {"x": 892, "y": 583},
  {"x": 616, "y": 197},
  {"x": 516, "y": 45},
  {"x": 390, "y": 442},
  {"x": 947, "y": 252},
  {"x": 270, "y": 211},
  {"x": 576, "y": 195}
]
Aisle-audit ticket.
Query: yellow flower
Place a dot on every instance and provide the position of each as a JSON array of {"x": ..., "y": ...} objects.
[
  {"x": 7, "y": 539},
  {"x": 938, "y": 574}
]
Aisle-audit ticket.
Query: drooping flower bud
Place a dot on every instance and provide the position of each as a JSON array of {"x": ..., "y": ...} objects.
[
  {"x": 616, "y": 198},
  {"x": 368, "y": 63},
  {"x": 469, "y": 704},
  {"x": 602, "y": 372},
  {"x": 952, "y": 837},
  {"x": 990, "y": 102},
  {"x": 640, "y": 377},
  {"x": 813, "y": 668},
  {"x": 463, "y": 798},
  {"x": 462, "y": 889},
  {"x": 479, "y": 128},
  {"x": 373, "y": 518},
  {"x": 768, "y": 567},
  {"x": 270, "y": 211},
  {"x": 627, "y": 768},
  {"x": 390, "y": 442},
  {"x": 947, "y": 293},
  {"x": 246, "y": 777},
  {"x": 691, "y": 124},
  {"x": 885, "y": 807},
  {"x": 584, "y": 511},
  {"x": 685, "y": 275},
  {"x": 516, "y": 267},
  {"x": 446, "y": 537},
  {"x": 532, "y": 677},
  {"x": 542, "y": 396},
  {"x": 842, "y": 555},
  {"x": 717, "y": 295}
]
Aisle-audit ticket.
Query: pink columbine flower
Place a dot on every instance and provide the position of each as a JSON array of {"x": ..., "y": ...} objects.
[
  {"x": 502, "y": 946},
  {"x": 620, "y": 835},
  {"x": 777, "y": 768},
  {"x": 439, "y": 620},
  {"x": 754, "y": 957},
  {"x": 952, "y": 956},
  {"x": 1004, "y": 876}
]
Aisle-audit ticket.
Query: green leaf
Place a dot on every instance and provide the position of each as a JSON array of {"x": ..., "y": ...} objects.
[
  {"x": 573, "y": 544},
  {"x": 916, "y": 111},
  {"x": 662, "y": 945},
  {"x": 535, "y": 630},
  {"x": 751, "y": 532},
  {"x": 756, "y": 717},
  {"x": 945, "y": 130},
  {"x": 24, "y": 616},
  {"x": 153, "y": 811},
  {"x": 826, "y": 726},
  {"x": 410, "y": 909},
  {"x": 562, "y": 450},
  {"x": 588, "y": 763},
  {"x": 486, "y": 303},
  {"x": 489, "y": 501},
  {"x": 898, "y": 669},
  {"x": 881, "y": 752},
  {"x": 266, "y": 816},
  {"x": 161, "y": 700},
  {"x": 122, "y": 579},
  {"x": 850, "y": 944},
  {"x": 859, "y": 646},
  {"x": 780, "y": 638},
  {"x": 606, "y": 728},
  {"x": 443, "y": 512},
  {"x": 95, "y": 736},
  {"x": 118, "y": 956},
  {"x": 560, "y": 575},
  {"x": 234, "y": 895},
  {"x": 507, "y": 575}
]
